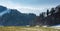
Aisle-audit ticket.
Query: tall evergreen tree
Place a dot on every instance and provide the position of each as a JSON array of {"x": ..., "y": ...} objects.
[
  {"x": 52, "y": 11},
  {"x": 47, "y": 12}
]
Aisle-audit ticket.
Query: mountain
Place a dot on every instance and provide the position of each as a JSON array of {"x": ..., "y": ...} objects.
[
  {"x": 12, "y": 17},
  {"x": 53, "y": 17},
  {"x": 2, "y": 8}
]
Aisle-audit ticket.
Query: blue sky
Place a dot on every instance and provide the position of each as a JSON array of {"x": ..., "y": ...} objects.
[{"x": 30, "y": 6}]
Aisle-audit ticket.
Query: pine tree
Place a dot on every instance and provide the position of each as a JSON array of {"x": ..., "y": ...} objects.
[
  {"x": 52, "y": 11},
  {"x": 47, "y": 12}
]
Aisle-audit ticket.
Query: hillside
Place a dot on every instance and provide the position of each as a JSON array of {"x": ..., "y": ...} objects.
[{"x": 12, "y": 17}]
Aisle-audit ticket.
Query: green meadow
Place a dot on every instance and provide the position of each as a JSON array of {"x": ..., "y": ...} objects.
[{"x": 24, "y": 28}]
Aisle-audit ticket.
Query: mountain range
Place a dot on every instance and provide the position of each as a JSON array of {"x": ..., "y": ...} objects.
[{"x": 12, "y": 17}]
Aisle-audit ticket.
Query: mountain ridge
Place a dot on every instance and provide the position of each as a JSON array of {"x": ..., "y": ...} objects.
[{"x": 15, "y": 18}]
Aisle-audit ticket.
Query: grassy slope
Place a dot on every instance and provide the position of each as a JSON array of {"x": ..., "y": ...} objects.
[{"x": 21, "y": 28}]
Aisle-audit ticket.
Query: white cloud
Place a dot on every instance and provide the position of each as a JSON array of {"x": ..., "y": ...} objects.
[{"x": 24, "y": 9}]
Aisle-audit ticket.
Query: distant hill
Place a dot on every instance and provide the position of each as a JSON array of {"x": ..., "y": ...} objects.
[{"x": 12, "y": 17}]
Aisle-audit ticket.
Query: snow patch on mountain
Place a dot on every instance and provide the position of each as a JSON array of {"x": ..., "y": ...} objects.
[{"x": 4, "y": 12}]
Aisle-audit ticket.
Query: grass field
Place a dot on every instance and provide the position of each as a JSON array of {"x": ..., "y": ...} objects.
[{"x": 23, "y": 28}]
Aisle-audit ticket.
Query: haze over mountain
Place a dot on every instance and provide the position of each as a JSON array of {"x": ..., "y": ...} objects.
[{"x": 30, "y": 6}]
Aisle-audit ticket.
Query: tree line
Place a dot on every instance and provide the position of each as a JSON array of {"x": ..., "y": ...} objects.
[{"x": 49, "y": 18}]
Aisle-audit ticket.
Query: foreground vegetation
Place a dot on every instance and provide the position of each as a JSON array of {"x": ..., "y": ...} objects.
[{"x": 22, "y": 28}]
